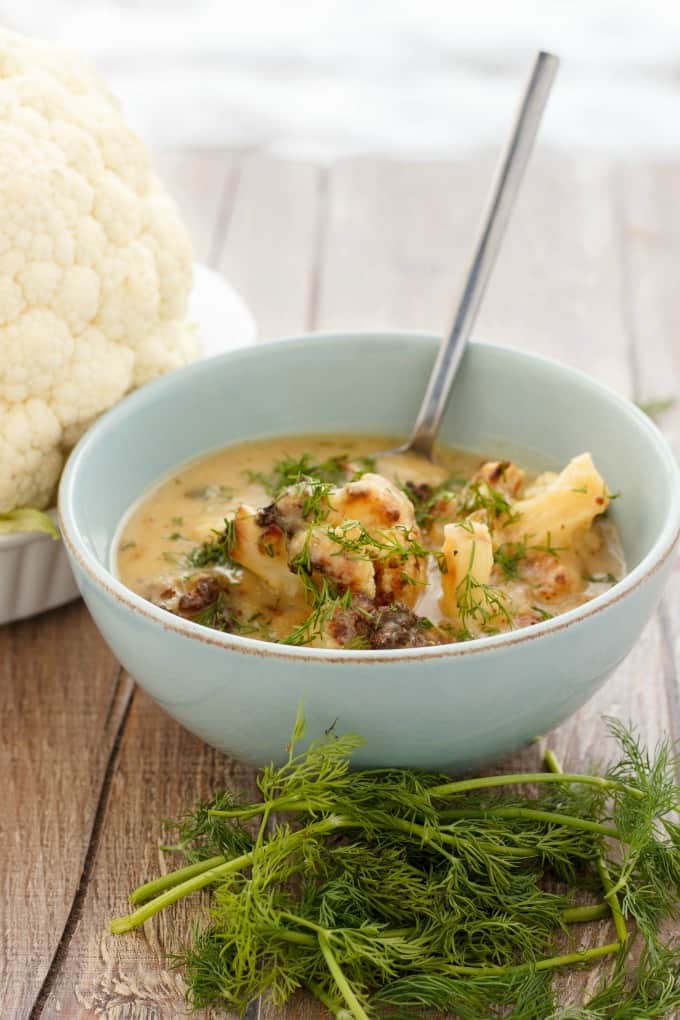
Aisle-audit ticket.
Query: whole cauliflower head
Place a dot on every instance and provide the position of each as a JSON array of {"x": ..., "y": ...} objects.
[{"x": 95, "y": 265}]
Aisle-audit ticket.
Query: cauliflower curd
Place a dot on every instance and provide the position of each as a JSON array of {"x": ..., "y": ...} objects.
[
  {"x": 276, "y": 539},
  {"x": 95, "y": 265}
]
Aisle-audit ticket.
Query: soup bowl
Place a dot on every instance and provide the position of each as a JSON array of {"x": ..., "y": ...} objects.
[{"x": 446, "y": 706}]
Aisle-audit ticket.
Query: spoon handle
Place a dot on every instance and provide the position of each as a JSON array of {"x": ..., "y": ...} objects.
[{"x": 501, "y": 200}]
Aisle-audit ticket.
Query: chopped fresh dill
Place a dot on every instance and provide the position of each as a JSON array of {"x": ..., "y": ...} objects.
[
  {"x": 220, "y": 615},
  {"x": 217, "y": 552},
  {"x": 430, "y": 501},
  {"x": 543, "y": 613},
  {"x": 315, "y": 507},
  {"x": 127, "y": 545},
  {"x": 413, "y": 581},
  {"x": 291, "y": 470},
  {"x": 480, "y": 603},
  {"x": 583, "y": 489},
  {"x": 479, "y": 495},
  {"x": 325, "y": 600},
  {"x": 217, "y": 615},
  {"x": 210, "y": 493},
  {"x": 548, "y": 547},
  {"x": 508, "y": 557},
  {"x": 397, "y": 544}
]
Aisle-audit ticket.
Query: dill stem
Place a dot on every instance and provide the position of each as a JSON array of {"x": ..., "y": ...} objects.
[
  {"x": 612, "y": 905},
  {"x": 301, "y": 939},
  {"x": 548, "y": 963},
  {"x": 341, "y": 981},
  {"x": 401, "y": 824},
  {"x": 119, "y": 925},
  {"x": 570, "y": 821},
  {"x": 611, "y": 896},
  {"x": 248, "y": 811},
  {"x": 150, "y": 889},
  {"x": 322, "y": 995},
  {"x": 305, "y": 922},
  {"x": 289, "y": 803},
  {"x": 582, "y": 915},
  {"x": 521, "y": 778},
  {"x": 421, "y": 832}
]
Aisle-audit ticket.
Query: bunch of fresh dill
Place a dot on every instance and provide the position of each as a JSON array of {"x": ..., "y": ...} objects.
[{"x": 402, "y": 894}]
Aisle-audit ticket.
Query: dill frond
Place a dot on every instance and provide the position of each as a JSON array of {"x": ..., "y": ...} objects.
[{"x": 395, "y": 894}]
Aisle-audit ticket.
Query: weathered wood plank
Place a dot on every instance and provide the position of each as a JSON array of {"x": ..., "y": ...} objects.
[
  {"x": 650, "y": 219},
  {"x": 62, "y": 703},
  {"x": 202, "y": 183},
  {"x": 270, "y": 242},
  {"x": 161, "y": 770},
  {"x": 399, "y": 235}
]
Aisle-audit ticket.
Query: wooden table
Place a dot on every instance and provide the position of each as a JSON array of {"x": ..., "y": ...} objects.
[{"x": 588, "y": 274}]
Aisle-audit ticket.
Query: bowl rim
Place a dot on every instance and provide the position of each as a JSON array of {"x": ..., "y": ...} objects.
[{"x": 104, "y": 578}]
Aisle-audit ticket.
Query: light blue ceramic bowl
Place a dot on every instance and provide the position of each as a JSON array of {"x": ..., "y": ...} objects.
[{"x": 447, "y": 706}]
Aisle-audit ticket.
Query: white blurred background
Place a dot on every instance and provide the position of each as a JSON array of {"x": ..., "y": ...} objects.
[{"x": 322, "y": 77}]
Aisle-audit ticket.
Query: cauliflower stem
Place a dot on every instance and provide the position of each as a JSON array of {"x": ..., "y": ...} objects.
[{"x": 25, "y": 519}]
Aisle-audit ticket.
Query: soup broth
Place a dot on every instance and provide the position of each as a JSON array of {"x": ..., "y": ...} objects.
[{"x": 314, "y": 541}]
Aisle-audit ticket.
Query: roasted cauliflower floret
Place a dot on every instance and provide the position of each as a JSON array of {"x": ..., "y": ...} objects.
[
  {"x": 503, "y": 476},
  {"x": 260, "y": 547},
  {"x": 300, "y": 505},
  {"x": 373, "y": 501},
  {"x": 468, "y": 599},
  {"x": 321, "y": 557},
  {"x": 562, "y": 506},
  {"x": 387, "y": 516},
  {"x": 468, "y": 554},
  {"x": 359, "y": 536}
]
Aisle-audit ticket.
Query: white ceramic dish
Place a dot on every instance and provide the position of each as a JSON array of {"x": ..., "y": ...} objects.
[{"x": 34, "y": 571}]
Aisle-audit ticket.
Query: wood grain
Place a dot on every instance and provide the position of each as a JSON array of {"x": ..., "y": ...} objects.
[
  {"x": 368, "y": 243},
  {"x": 399, "y": 236},
  {"x": 62, "y": 704},
  {"x": 202, "y": 182},
  {"x": 270, "y": 241},
  {"x": 650, "y": 227},
  {"x": 160, "y": 771}
]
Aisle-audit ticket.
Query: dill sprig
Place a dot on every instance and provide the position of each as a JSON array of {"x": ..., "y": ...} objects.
[
  {"x": 508, "y": 556},
  {"x": 481, "y": 604},
  {"x": 431, "y": 501},
  {"x": 396, "y": 544},
  {"x": 480, "y": 495},
  {"x": 396, "y": 893},
  {"x": 325, "y": 600},
  {"x": 293, "y": 470},
  {"x": 216, "y": 552}
]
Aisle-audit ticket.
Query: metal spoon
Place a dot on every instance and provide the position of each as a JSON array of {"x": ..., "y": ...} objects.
[{"x": 501, "y": 200}]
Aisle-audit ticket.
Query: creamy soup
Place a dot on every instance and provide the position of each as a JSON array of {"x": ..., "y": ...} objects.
[{"x": 314, "y": 541}]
